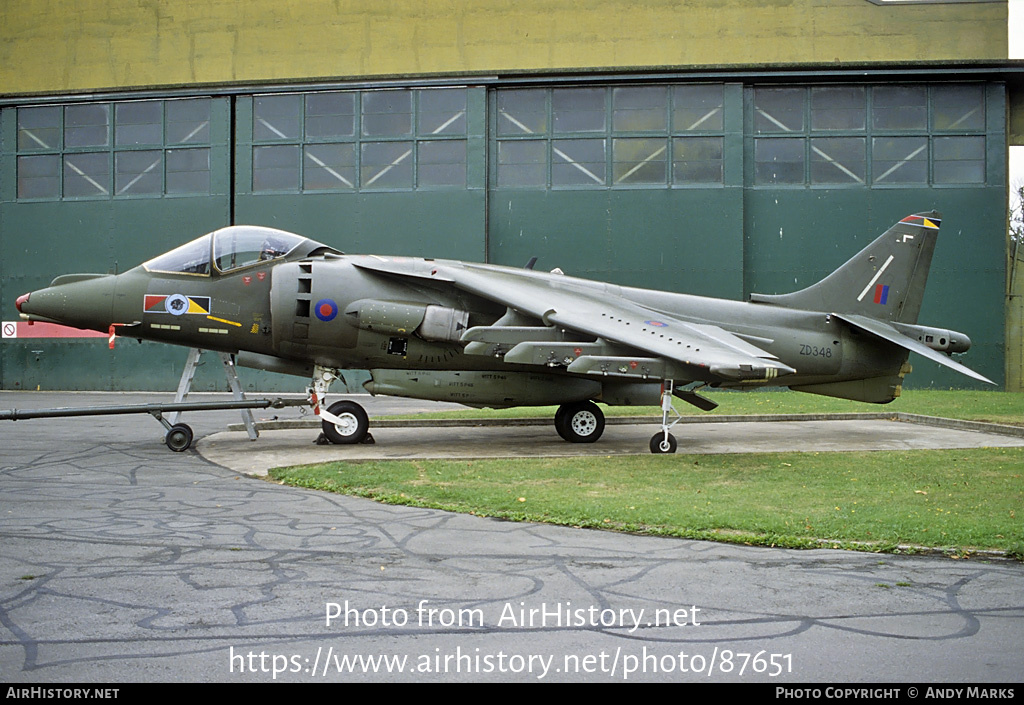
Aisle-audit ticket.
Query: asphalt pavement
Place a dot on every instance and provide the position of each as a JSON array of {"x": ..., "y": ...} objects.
[{"x": 121, "y": 561}]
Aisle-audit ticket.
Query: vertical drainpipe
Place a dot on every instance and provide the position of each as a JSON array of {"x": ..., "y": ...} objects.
[
  {"x": 232, "y": 164},
  {"x": 487, "y": 169}
]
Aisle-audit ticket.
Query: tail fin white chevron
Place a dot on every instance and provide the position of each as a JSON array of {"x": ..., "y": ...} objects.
[{"x": 885, "y": 280}]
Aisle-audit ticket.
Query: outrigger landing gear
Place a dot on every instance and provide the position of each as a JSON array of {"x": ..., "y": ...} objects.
[
  {"x": 663, "y": 441},
  {"x": 343, "y": 422}
]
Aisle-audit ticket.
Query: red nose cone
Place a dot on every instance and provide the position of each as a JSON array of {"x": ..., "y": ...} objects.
[{"x": 21, "y": 299}]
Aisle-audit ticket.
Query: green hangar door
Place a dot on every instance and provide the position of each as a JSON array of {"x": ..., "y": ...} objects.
[
  {"x": 714, "y": 188},
  {"x": 830, "y": 167},
  {"x": 102, "y": 187},
  {"x": 396, "y": 172},
  {"x": 634, "y": 184}
]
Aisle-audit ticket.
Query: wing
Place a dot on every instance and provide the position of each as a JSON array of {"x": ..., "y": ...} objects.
[{"x": 590, "y": 329}]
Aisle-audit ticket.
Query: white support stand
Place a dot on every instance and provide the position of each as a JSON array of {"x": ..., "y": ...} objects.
[{"x": 185, "y": 386}]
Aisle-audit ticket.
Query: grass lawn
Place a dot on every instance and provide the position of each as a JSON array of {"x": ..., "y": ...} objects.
[
  {"x": 957, "y": 500},
  {"x": 994, "y": 407}
]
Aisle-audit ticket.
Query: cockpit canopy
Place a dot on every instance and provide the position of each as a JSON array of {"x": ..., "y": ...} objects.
[{"x": 233, "y": 248}]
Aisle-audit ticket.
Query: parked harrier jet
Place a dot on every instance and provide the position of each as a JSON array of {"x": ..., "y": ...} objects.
[{"x": 486, "y": 335}]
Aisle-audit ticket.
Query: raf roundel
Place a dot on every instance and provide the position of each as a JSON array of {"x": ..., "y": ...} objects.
[{"x": 326, "y": 310}]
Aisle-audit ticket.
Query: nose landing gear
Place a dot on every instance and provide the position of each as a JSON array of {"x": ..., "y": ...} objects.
[
  {"x": 352, "y": 425},
  {"x": 343, "y": 422}
]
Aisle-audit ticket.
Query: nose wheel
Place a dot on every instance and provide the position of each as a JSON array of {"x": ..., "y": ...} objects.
[
  {"x": 343, "y": 422},
  {"x": 349, "y": 426}
]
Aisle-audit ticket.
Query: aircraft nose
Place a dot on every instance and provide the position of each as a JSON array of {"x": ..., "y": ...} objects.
[
  {"x": 84, "y": 303},
  {"x": 44, "y": 304}
]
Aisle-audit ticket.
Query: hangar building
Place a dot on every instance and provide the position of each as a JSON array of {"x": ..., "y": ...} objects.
[{"x": 716, "y": 147}]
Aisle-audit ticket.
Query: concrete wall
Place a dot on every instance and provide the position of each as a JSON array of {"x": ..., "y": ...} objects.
[{"x": 63, "y": 46}]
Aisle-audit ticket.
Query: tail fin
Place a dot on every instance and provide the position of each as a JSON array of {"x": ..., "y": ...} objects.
[{"x": 885, "y": 280}]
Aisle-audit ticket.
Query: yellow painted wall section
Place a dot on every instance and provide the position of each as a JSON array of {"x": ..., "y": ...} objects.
[{"x": 65, "y": 46}]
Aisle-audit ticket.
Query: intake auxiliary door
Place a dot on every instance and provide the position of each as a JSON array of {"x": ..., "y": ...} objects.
[{"x": 306, "y": 303}]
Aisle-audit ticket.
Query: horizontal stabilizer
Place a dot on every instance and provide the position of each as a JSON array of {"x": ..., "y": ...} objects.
[{"x": 887, "y": 332}]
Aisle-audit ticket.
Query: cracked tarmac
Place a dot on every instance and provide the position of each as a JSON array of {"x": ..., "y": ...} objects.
[{"x": 123, "y": 562}]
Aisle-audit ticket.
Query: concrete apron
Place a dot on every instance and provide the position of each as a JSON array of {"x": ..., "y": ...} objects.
[{"x": 398, "y": 440}]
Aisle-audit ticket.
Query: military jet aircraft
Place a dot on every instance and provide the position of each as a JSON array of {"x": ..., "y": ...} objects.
[{"x": 495, "y": 336}]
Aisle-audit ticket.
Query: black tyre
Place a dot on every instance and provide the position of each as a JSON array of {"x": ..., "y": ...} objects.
[
  {"x": 582, "y": 422},
  {"x": 560, "y": 421},
  {"x": 355, "y": 423},
  {"x": 179, "y": 437},
  {"x": 659, "y": 444}
]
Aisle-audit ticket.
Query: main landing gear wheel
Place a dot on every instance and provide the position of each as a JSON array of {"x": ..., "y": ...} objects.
[
  {"x": 581, "y": 422},
  {"x": 560, "y": 421},
  {"x": 354, "y": 426},
  {"x": 661, "y": 444},
  {"x": 179, "y": 437}
]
